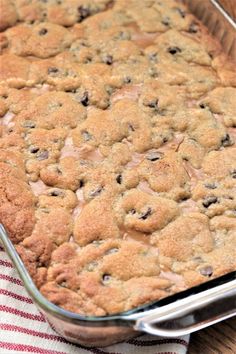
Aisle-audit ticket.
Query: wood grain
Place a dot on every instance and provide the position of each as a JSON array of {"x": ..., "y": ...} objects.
[
  {"x": 217, "y": 339},
  {"x": 229, "y": 6}
]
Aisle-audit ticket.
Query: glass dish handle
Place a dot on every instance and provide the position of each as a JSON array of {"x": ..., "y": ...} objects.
[{"x": 190, "y": 314}]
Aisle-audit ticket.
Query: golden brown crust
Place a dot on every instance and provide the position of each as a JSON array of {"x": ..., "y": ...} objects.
[
  {"x": 8, "y": 15},
  {"x": 16, "y": 197},
  {"x": 117, "y": 150}
]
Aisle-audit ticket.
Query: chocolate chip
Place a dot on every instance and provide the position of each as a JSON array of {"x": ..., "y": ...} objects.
[
  {"x": 84, "y": 44},
  {"x": 210, "y": 186},
  {"x": 202, "y": 105},
  {"x": 34, "y": 150},
  {"x": 153, "y": 57},
  {"x": 193, "y": 28},
  {"x": 226, "y": 140},
  {"x": 108, "y": 59},
  {"x": 56, "y": 193},
  {"x": 122, "y": 35},
  {"x": 174, "y": 50},
  {"x": 146, "y": 214},
  {"x": 153, "y": 72},
  {"x": 109, "y": 89},
  {"x": 43, "y": 155},
  {"x": 58, "y": 171},
  {"x": 43, "y": 31},
  {"x": 154, "y": 155},
  {"x": 211, "y": 55},
  {"x": 72, "y": 90},
  {"x": 206, "y": 271},
  {"x": 63, "y": 284},
  {"x": 86, "y": 136},
  {"x": 96, "y": 192},
  {"x": 84, "y": 12},
  {"x": 81, "y": 183},
  {"x": 164, "y": 140},
  {"x": 52, "y": 70},
  {"x": 112, "y": 251},
  {"x": 181, "y": 12},
  {"x": 85, "y": 99},
  {"x": 166, "y": 21},
  {"x": 132, "y": 211},
  {"x": 130, "y": 127},
  {"x": 228, "y": 197},
  {"x": 153, "y": 104},
  {"x": 106, "y": 278},
  {"x": 209, "y": 200},
  {"x": 184, "y": 198},
  {"x": 29, "y": 124},
  {"x": 88, "y": 59},
  {"x": 127, "y": 80},
  {"x": 119, "y": 179},
  {"x": 233, "y": 174}
]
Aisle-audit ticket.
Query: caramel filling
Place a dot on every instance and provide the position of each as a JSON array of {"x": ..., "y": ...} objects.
[
  {"x": 136, "y": 159},
  {"x": 219, "y": 118},
  {"x": 194, "y": 174},
  {"x": 144, "y": 187},
  {"x": 232, "y": 133},
  {"x": 41, "y": 89},
  {"x": 189, "y": 206},
  {"x": 6, "y": 120},
  {"x": 191, "y": 103},
  {"x": 142, "y": 39},
  {"x": 131, "y": 92},
  {"x": 81, "y": 203},
  {"x": 86, "y": 152},
  {"x": 133, "y": 235},
  {"x": 38, "y": 187},
  {"x": 176, "y": 279}
]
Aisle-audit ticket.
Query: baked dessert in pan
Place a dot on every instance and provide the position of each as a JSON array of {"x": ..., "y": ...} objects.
[{"x": 117, "y": 150}]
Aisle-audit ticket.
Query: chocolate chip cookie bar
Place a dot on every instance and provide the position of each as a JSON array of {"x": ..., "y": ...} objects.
[{"x": 117, "y": 150}]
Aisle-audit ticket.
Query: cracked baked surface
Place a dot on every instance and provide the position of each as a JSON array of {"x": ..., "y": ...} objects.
[{"x": 117, "y": 150}]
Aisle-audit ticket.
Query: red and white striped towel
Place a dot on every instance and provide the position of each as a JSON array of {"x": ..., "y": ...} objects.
[{"x": 24, "y": 330}]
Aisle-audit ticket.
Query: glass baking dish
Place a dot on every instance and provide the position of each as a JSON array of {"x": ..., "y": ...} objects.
[
  {"x": 177, "y": 315},
  {"x": 174, "y": 316}
]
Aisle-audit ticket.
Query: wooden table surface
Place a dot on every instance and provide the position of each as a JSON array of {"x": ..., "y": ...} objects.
[
  {"x": 229, "y": 6},
  {"x": 217, "y": 339}
]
